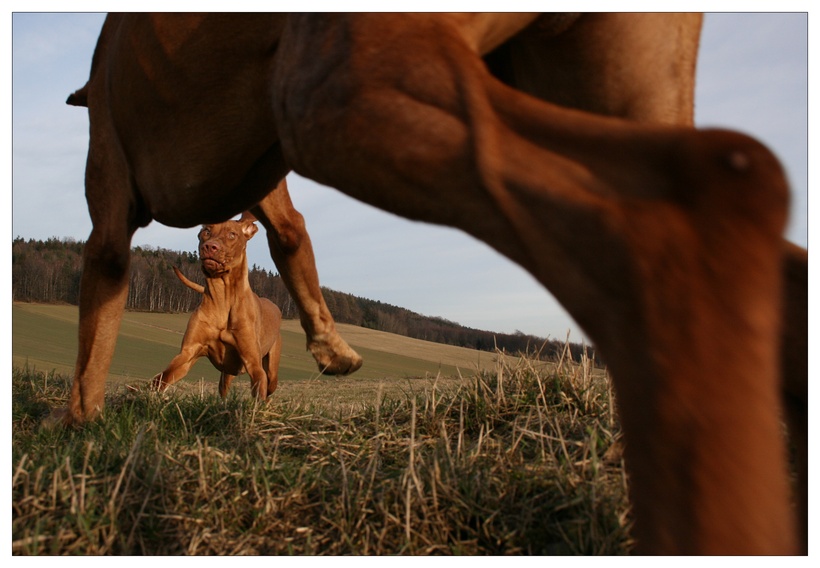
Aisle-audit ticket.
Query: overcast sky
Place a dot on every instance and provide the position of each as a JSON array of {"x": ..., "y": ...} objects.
[{"x": 752, "y": 77}]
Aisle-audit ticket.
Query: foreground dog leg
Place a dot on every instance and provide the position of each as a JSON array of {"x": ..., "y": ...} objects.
[
  {"x": 115, "y": 216},
  {"x": 664, "y": 244},
  {"x": 291, "y": 250},
  {"x": 103, "y": 292},
  {"x": 602, "y": 66},
  {"x": 795, "y": 374}
]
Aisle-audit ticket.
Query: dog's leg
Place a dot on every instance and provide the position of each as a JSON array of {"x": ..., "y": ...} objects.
[
  {"x": 664, "y": 244},
  {"x": 259, "y": 380},
  {"x": 271, "y": 364},
  {"x": 225, "y": 380},
  {"x": 291, "y": 250},
  {"x": 247, "y": 348},
  {"x": 602, "y": 66},
  {"x": 104, "y": 280},
  {"x": 177, "y": 368},
  {"x": 795, "y": 373},
  {"x": 194, "y": 346},
  {"x": 103, "y": 292}
]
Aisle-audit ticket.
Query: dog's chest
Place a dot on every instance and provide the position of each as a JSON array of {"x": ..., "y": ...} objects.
[{"x": 224, "y": 354}]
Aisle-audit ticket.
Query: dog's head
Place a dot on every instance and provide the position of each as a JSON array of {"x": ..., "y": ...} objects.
[{"x": 222, "y": 245}]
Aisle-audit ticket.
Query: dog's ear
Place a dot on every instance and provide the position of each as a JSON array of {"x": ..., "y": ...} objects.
[{"x": 249, "y": 229}]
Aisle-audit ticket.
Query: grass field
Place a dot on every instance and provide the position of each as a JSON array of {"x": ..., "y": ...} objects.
[
  {"x": 457, "y": 453},
  {"x": 44, "y": 338}
]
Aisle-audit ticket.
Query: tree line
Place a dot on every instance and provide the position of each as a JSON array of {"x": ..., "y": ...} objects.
[{"x": 49, "y": 272}]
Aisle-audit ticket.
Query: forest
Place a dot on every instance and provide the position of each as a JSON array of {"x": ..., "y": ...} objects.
[{"x": 49, "y": 272}]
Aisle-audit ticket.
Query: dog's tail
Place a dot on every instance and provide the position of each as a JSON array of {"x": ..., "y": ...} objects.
[{"x": 192, "y": 285}]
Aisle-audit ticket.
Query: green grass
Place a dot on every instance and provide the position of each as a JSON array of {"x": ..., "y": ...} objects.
[{"x": 517, "y": 461}]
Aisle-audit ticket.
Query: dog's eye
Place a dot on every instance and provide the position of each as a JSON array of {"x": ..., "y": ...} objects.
[
  {"x": 204, "y": 233},
  {"x": 232, "y": 235}
]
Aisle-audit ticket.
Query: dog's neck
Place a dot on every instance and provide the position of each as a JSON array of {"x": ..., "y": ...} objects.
[{"x": 226, "y": 287}]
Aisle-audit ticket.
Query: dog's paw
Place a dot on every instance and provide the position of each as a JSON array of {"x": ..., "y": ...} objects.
[
  {"x": 61, "y": 418},
  {"x": 334, "y": 356}
]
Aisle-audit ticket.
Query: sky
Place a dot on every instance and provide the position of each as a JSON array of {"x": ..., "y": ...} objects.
[{"x": 752, "y": 77}]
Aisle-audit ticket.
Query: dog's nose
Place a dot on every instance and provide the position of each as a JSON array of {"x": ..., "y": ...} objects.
[{"x": 210, "y": 247}]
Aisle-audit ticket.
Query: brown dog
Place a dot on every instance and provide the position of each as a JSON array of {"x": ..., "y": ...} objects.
[{"x": 233, "y": 327}]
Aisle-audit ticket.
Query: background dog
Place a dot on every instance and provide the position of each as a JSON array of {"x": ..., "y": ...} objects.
[{"x": 236, "y": 329}]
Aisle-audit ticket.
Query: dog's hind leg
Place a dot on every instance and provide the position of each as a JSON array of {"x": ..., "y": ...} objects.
[{"x": 292, "y": 251}]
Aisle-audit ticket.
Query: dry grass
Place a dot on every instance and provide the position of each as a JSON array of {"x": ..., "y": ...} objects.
[{"x": 522, "y": 460}]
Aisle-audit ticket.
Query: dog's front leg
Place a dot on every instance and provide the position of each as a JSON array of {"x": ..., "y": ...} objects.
[
  {"x": 248, "y": 348},
  {"x": 104, "y": 282}
]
